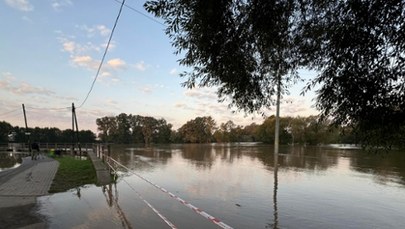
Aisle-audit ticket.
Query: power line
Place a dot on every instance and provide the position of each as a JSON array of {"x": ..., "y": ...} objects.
[
  {"x": 9, "y": 112},
  {"x": 48, "y": 109},
  {"x": 105, "y": 53},
  {"x": 141, "y": 13}
]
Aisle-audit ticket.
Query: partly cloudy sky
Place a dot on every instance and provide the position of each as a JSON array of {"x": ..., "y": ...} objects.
[{"x": 50, "y": 51}]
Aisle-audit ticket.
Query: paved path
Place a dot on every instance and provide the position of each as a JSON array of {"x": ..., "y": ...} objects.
[
  {"x": 33, "y": 180},
  {"x": 19, "y": 188},
  {"x": 103, "y": 175}
]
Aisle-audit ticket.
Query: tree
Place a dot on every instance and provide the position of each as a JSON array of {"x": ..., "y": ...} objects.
[
  {"x": 163, "y": 131},
  {"x": 250, "y": 48},
  {"x": 266, "y": 130},
  {"x": 149, "y": 128},
  {"x": 250, "y": 133},
  {"x": 198, "y": 130},
  {"x": 136, "y": 128},
  {"x": 108, "y": 127},
  {"x": 358, "y": 48},
  {"x": 242, "y": 47},
  {"x": 123, "y": 128},
  {"x": 5, "y": 130}
]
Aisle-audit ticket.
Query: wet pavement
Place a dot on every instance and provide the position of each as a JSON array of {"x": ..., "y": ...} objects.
[{"x": 19, "y": 189}]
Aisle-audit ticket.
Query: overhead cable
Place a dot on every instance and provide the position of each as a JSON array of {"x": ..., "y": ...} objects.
[
  {"x": 9, "y": 112},
  {"x": 141, "y": 13},
  {"x": 104, "y": 55},
  {"x": 48, "y": 109}
]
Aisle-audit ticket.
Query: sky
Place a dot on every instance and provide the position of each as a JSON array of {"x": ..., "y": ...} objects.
[{"x": 50, "y": 51}]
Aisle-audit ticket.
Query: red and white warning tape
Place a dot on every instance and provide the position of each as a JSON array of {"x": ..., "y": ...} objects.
[
  {"x": 170, "y": 224},
  {"x": 185, "y": 203}
]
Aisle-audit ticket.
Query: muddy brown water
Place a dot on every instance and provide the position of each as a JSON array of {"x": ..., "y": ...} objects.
[{"x": 243, "y": 186}]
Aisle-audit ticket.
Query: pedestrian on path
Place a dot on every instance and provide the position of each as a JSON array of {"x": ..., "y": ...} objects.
[{"x": 35, "y": 150}]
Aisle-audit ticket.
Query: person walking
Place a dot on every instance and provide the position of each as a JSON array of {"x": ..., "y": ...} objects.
[{"x": 35, "y": 151}]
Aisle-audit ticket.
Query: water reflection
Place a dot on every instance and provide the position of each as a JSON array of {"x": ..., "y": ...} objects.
[
  {"x": 112, "y": 201},
  {"x": 298, "y": 158},
  {"x": 199, "y": 155},
  {"x": 10, "y": 160},
  {"x": 275, "y": 189},
  {"x": 247, "y": 187},
  {"x": 385, "y": 167}
]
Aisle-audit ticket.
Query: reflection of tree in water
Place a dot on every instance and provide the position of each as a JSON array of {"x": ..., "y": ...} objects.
[
  {"x": 385, "y": 167},
  {"x": 140, "y": 157},
  {"x": 8, "y": 160},
  {"x": 228, "y": 152},
  {"x": 200, "y": 155},
  {"x": 204, "y": 155},
  {"x": 299, "y": 157}
]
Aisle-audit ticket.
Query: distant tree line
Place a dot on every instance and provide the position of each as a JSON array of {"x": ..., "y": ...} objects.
[
  {"x": 129, "y": 129},
  {"x": 310, "y": 130},
  {"x": 50, "y": 135}
]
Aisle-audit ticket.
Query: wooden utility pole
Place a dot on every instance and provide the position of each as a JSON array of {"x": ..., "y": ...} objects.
[
  {"x": 74, "y": 123},
  {"x": 26, "y": 129},
  {"x": 73, "y": 129}
]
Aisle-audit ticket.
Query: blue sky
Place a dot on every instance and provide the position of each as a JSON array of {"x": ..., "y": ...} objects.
[{"x": 50, "y": 51}]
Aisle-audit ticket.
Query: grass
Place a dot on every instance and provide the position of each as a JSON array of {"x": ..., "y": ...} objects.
[{"x": 73, "y": 173}]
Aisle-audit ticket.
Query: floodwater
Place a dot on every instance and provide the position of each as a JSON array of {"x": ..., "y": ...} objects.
[
  {"x": 243, "y": 186},
  {"x": 10, "y": 160}
]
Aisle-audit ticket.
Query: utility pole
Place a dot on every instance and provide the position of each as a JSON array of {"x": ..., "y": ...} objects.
[
  {"x": 276, "y": 149},
  {"x": 74, "y": 123},
  {"x": 277, "y": 129},
  {"x": 26, "y": 129},
  {"x": 73, "y": 129}
]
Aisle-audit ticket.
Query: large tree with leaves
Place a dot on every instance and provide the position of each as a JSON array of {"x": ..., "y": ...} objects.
[
  {"x": 198, "y": 130},
  {"x": 358, "y": 48},
  {"x": 247, "y": 48},
  {"x": 242, "y": 47}
]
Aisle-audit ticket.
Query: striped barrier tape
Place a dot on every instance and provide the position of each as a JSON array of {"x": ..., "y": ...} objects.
[
  {"x": 185, "y": 203},
  {"x": 170, "y": 224}
]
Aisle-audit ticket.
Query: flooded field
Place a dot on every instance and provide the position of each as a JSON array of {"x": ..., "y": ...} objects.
[{"x": 241, "y": 185}]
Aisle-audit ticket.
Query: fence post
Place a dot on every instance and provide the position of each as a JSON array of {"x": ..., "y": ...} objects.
[
  {"x": 108, "y": 158},
  {"x": 102, "y": 153}
]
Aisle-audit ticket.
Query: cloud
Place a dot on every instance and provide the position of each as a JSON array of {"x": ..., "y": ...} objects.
[
  {"x": 105, "y": 74},
  {"x": 85, "y": 61},
  {"x": 101, "y": 30},
  {"x": 296, "y": 106},
  {"x": 202, "y": 93},
  {"x": 173, "y": 71},
  {"x": 23, "y": 5},
  {"x": 72, "y": 47},
  {"x": 116, "y": 63},
  {"x": 180, "y": 105},
  {"x": 57, "y": 5},
  {"x": 140, "y": 66},
  {"x": 21, "y": 88},
  {"x": 69, "y": 46},
  {"x": 147, "y": 90},
  {"x": 82, "y": 53}
]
